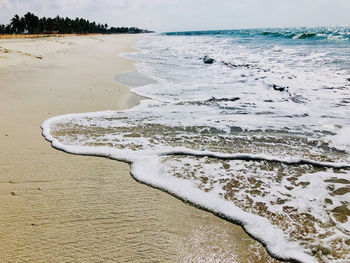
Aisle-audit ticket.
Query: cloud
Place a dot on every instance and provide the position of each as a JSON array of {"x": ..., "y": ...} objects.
[
  {"x": 5, "y": 4},
  {"x": 60, "y": 5}
]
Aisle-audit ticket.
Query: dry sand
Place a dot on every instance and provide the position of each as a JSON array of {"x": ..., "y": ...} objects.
[{"x": 57, "y": 207}]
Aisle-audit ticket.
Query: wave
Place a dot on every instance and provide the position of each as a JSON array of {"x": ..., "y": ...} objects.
[
  {"x": 305, "y": 35},
  {"x": 152, "y": 164},
  {"x": 317, "y": 33},
  {"x": 302, "y": 35},
  {"x": 145, "y": 168}
]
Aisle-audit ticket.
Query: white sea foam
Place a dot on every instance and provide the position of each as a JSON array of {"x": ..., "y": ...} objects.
[
  {"x": 146, "y": 168},
  {"x": 342, "y": 138}
]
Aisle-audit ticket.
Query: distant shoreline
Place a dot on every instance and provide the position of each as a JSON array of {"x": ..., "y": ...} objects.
[{"x": 21, "y": 36}]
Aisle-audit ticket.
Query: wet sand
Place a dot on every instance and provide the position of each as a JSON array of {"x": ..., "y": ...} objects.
[{"x": 57, "y": 207}]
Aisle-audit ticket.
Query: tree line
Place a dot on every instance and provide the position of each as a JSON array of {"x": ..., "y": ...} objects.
[{"x": 31, "y": 24}]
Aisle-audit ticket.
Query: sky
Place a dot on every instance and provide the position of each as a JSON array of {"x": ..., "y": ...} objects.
[{"x": 184, "y": 15}]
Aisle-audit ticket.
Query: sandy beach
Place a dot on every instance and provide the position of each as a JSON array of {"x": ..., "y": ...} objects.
[{"x": 58, "y": 207}]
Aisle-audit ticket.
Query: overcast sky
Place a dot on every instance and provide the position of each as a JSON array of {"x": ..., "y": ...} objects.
[{"x": 178, "y": 15}]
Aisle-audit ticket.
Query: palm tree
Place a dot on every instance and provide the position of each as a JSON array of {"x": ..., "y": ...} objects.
[
  {"x": 17, "y": 24},
  {"x": 31, "y": 23},
  {"x": 2, "y": 29}
]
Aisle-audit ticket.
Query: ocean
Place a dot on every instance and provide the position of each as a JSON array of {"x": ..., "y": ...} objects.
[{"x": 258, "y": 135}]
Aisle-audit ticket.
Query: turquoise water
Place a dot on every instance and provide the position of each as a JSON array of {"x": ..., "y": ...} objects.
[{"x": 303, "y": 33}]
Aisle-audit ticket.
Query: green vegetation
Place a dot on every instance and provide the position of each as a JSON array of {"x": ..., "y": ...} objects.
[{"x": 31, "y": 24}]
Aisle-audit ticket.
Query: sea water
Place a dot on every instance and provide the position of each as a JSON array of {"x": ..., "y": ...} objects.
[{"x": 260, "y": 137}]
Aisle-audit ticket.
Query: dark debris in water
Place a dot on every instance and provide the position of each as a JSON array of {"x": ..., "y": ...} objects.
[
  {"x": 346, "y": 101},
  {"x": 208, "y": 60},
  {"x": 213, "y": 99},
  {"x": 245, "y": 66},
  {"x": 232, "y": 65},
  {"x": 279, "y": 88}
]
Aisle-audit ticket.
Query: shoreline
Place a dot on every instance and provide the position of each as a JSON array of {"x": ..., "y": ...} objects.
[
  {"x": 34, "y": 36},
  {"x": 21, "y": 36},
  {"x": 61, "y": 207}
]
